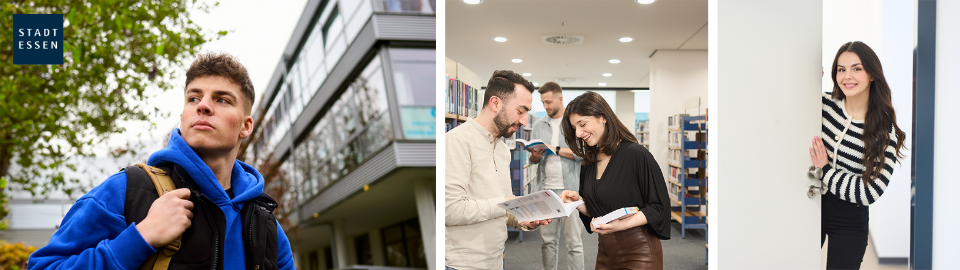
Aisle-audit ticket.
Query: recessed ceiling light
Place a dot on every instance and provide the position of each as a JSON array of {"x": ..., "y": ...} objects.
[
  {"x": 517, "y": 60},
  {"x": 626, "y": 39},
  {"x": 474, "y": 2},
  {"x": 614, "y": 61},
  {"x": 638, "y": 1},
  {"x": 500, "y": 39},
  {"x": 607, "y": 74},
  {"x": 527, "y": 74},
  {"x": 536, "y": 83},
  {"x": 602, "y": 84}
]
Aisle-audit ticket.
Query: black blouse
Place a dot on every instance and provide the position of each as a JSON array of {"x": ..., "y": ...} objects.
[{"x": 632, "y": 178}]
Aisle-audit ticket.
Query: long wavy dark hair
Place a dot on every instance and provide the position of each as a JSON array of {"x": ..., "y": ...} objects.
[
  {"x": 880, "y": 115},
  {"x": 592, "y": 104}
]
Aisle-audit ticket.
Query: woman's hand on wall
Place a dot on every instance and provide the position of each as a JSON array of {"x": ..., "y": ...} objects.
[{"x": 818, "y": 153}]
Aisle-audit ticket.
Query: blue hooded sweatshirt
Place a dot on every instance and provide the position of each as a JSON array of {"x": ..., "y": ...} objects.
[{"x": 94, "y": 235}]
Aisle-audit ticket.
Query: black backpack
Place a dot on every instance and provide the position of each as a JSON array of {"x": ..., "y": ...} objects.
[{"x": 203, "y": 242}]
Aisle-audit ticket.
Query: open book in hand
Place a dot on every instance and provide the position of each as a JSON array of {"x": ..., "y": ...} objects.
[
  {"x": 536, "y": 145},
  {"x": 539, "y": 206},
  {"x": 621, "y": 213}
]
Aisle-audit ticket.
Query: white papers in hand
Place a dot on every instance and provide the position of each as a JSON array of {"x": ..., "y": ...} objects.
[{"x": 539, "y": 206}]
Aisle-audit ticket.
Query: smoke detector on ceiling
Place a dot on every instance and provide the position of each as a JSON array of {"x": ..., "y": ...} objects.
[{"x": 562, "y": 39}]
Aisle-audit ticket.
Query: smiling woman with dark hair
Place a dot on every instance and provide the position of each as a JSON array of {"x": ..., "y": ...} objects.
[
  {"x": 616, "y": 172},
  {"x": 855, "y": 154}
]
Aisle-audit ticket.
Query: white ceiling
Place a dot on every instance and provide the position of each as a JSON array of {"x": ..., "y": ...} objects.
[{"x": 664, "y": 25}]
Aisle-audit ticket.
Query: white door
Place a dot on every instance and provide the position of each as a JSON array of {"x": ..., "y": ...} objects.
[{"x": 767, "y": 54}]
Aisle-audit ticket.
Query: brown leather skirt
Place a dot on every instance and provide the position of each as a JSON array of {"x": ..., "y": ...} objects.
[{"x": 632, "y": 248}]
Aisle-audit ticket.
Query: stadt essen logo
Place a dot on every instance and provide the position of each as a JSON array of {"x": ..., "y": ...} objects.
[{"x": 37, "y": 39}]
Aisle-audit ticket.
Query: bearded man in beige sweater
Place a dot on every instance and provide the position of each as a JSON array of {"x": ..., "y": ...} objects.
[{"x": 478, "y": 176}]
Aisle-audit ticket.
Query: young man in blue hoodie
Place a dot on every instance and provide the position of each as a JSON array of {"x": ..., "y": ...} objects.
[{"x": 200, "y": 155}]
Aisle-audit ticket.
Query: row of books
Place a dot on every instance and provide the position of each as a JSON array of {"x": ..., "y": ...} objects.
[
  {"x": 643, "y": 134},
  {"x": 463, "y": 99},
  {"x": 676, "y": 156},
  {"x": 675, "y": 173},
  {"x": 674, "y": 122},
  {"x": 642, "y": 125},
  {"x": 678, "y": 192},
  {"x": 675, "y": 138}
]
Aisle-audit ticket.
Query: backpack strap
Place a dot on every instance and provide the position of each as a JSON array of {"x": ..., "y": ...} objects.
[{"x": 136, "y": 176}]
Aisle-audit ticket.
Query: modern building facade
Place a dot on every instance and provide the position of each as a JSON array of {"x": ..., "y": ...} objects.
[{"x": 350, "y": 114}]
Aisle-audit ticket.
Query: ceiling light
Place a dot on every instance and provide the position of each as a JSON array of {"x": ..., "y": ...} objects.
[
  {"x": 602, "y": 84},
  {"x": 626, "y": 39},
  {"x": 607, "y": 74},
  {"x": 500, "y": 39},
  {"x": 638, "y": 1},
  {"x": 614, "y": 61},
  {"x": 474, "y": 2},
  {"x": 536, "y": 83},
  {"x": 527, "y": 74},
  {"x": 517, "y": 60}
]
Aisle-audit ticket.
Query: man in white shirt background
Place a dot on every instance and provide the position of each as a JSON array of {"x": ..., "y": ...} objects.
[{"x": 557, "y": 172}]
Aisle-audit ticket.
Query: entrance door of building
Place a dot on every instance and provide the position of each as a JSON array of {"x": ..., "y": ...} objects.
[{"x": 764, "y": 62}]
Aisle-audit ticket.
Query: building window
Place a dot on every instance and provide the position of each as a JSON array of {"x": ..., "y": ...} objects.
[
  {"x": 410, "y": 6},
  {"x": 364, "y": 250},
  {"x": 403, "y": 245},
  {"x": 414, "y": 76},
  {"x": 313, "y": 261},
  {"x": 358, "y": 16},
  {"x": 353, "y": 129},
  {"x": 328, "y": 255}
]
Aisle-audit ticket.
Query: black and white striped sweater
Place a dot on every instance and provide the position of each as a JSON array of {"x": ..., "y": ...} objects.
[{"x": 843, "y": 174}]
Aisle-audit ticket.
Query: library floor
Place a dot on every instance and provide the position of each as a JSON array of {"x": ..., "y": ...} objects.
[{"x": 678, "y": 253}]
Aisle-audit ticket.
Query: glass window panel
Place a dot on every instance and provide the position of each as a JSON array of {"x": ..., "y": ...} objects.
[
  {"x": 371, "y": 91},
  {"x": 293, "y": 82},
  {"x": 316, "y": 81},
  {"x": 415, "y": 83},
  {"x": 358, "y": 20},
  {"x": 351, "y": 157},
  {"x": 393, "y": 245},
  {"x": 345, "y": 116},
  {"x": 363, "y": 249},
  {"x": 347, "y": 7},
  {"x": 411, "y": 233},
  {"x": 332, "y": 27},
  {"x": 408, "y": 6},
  {"x": 302, "y": 68},
  {"x": 414, "y": 75},
  {"x": 378, "y": 134},
  {"x": 316, "y": 51},
  {"x": 336, "y": 51}
]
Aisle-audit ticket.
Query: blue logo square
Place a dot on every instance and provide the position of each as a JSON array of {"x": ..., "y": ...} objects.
[{"x": 38, "y": 39}]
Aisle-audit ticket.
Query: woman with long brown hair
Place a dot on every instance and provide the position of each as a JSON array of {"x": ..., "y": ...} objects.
[
  {"x": 616, "y": 172},
  {"x": 854, "y": 157}
]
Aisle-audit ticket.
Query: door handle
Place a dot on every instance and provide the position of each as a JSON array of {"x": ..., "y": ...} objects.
[
  {"x": 814, "y": 173},
  {"x": 814, "y": 190}
]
